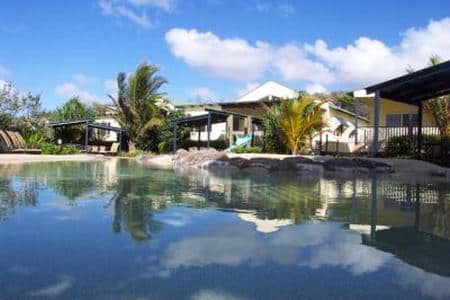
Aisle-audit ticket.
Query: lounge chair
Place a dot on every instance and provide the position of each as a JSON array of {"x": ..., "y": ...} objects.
[
  {"x": 13, "y": 142},
  {"x": 114, "y": 150},
  {"x": 6, "y": 143}
]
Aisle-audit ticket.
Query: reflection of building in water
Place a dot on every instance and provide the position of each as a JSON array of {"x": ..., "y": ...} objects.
[{"x": 416, "y": 243}]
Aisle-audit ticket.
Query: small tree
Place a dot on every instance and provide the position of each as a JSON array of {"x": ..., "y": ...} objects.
[
  {"x": 298, "y": 120},
  {"x": 166, "y": 131},
  {"x": 19, "y": 110},
  {"x": 136, "y": 107},
  {"x": 440, "y": 108},
  {"x": 72, "y": 110},
  {"x": 273, "y": 137}
]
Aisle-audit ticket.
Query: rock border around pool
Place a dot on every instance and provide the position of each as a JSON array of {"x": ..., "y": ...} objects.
[{"x": 213, "y": 159}]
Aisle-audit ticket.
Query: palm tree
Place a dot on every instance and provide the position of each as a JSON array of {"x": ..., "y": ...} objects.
[
  {"x": 298, "y": 120},
  {"x": 136, "y": 107}
]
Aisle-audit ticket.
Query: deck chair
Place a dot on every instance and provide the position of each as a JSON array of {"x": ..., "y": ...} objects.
[
  {"x": 19, "y": 143},
  {"x": 6, "y": 143},
  {"x": 114, "y": 150}
]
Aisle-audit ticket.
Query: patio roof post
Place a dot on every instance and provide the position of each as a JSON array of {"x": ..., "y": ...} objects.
[
  {"x": 375, "y": 144},
  {"x": 419, "y": 129},
  {"x": 373, "y": 208},
  {"x": 175, "y": 133},
  {"x": 120, "y": 141},
  {"x": 230, "y": 128},
  {"x": 356, "y": 119},
  {"x": 209, "y": 130},
  {"x": 86, "y": 137}
]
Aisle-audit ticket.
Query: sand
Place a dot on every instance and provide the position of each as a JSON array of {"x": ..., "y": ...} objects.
[{"x": 28, "y": 158}]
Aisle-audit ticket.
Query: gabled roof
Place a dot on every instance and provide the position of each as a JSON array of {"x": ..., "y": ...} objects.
[{"x": 268, "y": 90}]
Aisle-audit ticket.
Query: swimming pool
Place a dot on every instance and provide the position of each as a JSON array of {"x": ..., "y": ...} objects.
[{"x": 117, "y": 230}]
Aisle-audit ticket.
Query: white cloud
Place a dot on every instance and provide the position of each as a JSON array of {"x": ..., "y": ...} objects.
[
  {"x": 232, "y": 58},
  {"x": 291, "y": 62},
  {"x": 57, "y": 289},
  {"x": 83, "y": 79},
  {"x": 368, "y": 60},
  {"x": 70, "y": 89},
  {"x": 315, "y": 88},
  {"x": 166, "y": 5},
  {"x": 363, "y": 62},
  {"x": 214, "y": 294},
  {"x": 4, "y": 72},
  {"x": 115, "y": 8},
  {"x": 247, "y": 88},
  {"x": 202, "y": 95}
]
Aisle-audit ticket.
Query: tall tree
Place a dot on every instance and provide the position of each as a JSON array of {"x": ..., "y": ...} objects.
[
  {"x": 21, "y": 110},
  {"x": 298, "y": 120},
  {"x": 73, "y": 109},
  {"x": 136, "y": 107}
]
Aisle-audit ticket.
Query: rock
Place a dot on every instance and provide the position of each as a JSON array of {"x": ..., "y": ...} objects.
[
  {"x": 238, "y": 162},
  {"x": 264, "y": 163},
  {"x": 198, "y": 158},
  {"x": 357, "y": 165},
  {"x": 300, "y": 164}
]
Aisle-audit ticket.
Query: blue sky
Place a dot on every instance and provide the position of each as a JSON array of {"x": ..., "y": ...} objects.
[{"x": 215, "y": 49}]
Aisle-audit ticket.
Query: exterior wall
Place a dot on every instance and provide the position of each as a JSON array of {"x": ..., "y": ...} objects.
[
  {"x": 218, "y": 130},
  {"x": 110, "y": 136},
  {"x": 393, "y": 107}
]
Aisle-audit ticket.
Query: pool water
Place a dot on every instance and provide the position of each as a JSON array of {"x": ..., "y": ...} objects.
[{"x": 117, "y": 230}]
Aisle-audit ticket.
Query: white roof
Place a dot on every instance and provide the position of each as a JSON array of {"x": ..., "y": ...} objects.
[
  {"x": 362, "y": 94},
  {"x": 267, "y": 90}
]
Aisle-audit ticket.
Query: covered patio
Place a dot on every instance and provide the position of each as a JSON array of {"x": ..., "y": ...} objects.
[
  {"x": 413, "y": 89},
  {"x": 214, "y": 117},
  {"x": 89, "y": 123}
]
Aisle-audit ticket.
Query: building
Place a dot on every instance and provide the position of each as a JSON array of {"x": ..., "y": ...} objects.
[{"x": 338, "y": 135}]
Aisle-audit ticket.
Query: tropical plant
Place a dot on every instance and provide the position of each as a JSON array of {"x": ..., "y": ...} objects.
[
  {"x": 273, "y": 137},
  {"x": 440, "y": 107},
  {"x": 23, "y": 111},
  {"x": 135, "y": 104},
  {"x": 298, "y": 120},
  {"x": 166, "y": 131},
  {"x": 246, "y": 149},
  {"x": 73, "y": 109}
]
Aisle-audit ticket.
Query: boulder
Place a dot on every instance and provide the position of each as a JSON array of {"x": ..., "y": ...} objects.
[{"x": 357, "y": 165}]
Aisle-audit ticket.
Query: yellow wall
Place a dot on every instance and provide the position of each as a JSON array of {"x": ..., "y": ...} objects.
[{"x": 393, "y": 107}]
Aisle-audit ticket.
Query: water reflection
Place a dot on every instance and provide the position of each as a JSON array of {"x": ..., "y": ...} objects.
[{"x": 361, "y": 226}]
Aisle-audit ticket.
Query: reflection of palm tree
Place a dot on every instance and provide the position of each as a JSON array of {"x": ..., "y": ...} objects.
[{"x": 133, "y": 210}]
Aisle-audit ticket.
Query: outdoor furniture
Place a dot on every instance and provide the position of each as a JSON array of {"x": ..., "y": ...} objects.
[{"x": 13, "y": 142}]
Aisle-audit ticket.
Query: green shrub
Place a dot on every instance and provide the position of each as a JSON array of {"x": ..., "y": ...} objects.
[
  {"x": 405, "y": 145},
  {"x": 216, "y": 144},
  {"x": 48, "y": 148},
  {"x": 166, "y": 132},
  {"x": 36, "y": 140},
  {"x": 248, "y": 149},
  {"x": 273, "y": 138}
]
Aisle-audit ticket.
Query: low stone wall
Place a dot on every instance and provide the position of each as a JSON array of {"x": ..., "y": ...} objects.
[{"x": 213, "y": 159}]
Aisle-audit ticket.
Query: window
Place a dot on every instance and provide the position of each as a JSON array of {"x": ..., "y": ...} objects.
[
  {"x": 394, "y": 120},
  {"x": 409, "y": 120},
  {"x": 401, "y": 120}
]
